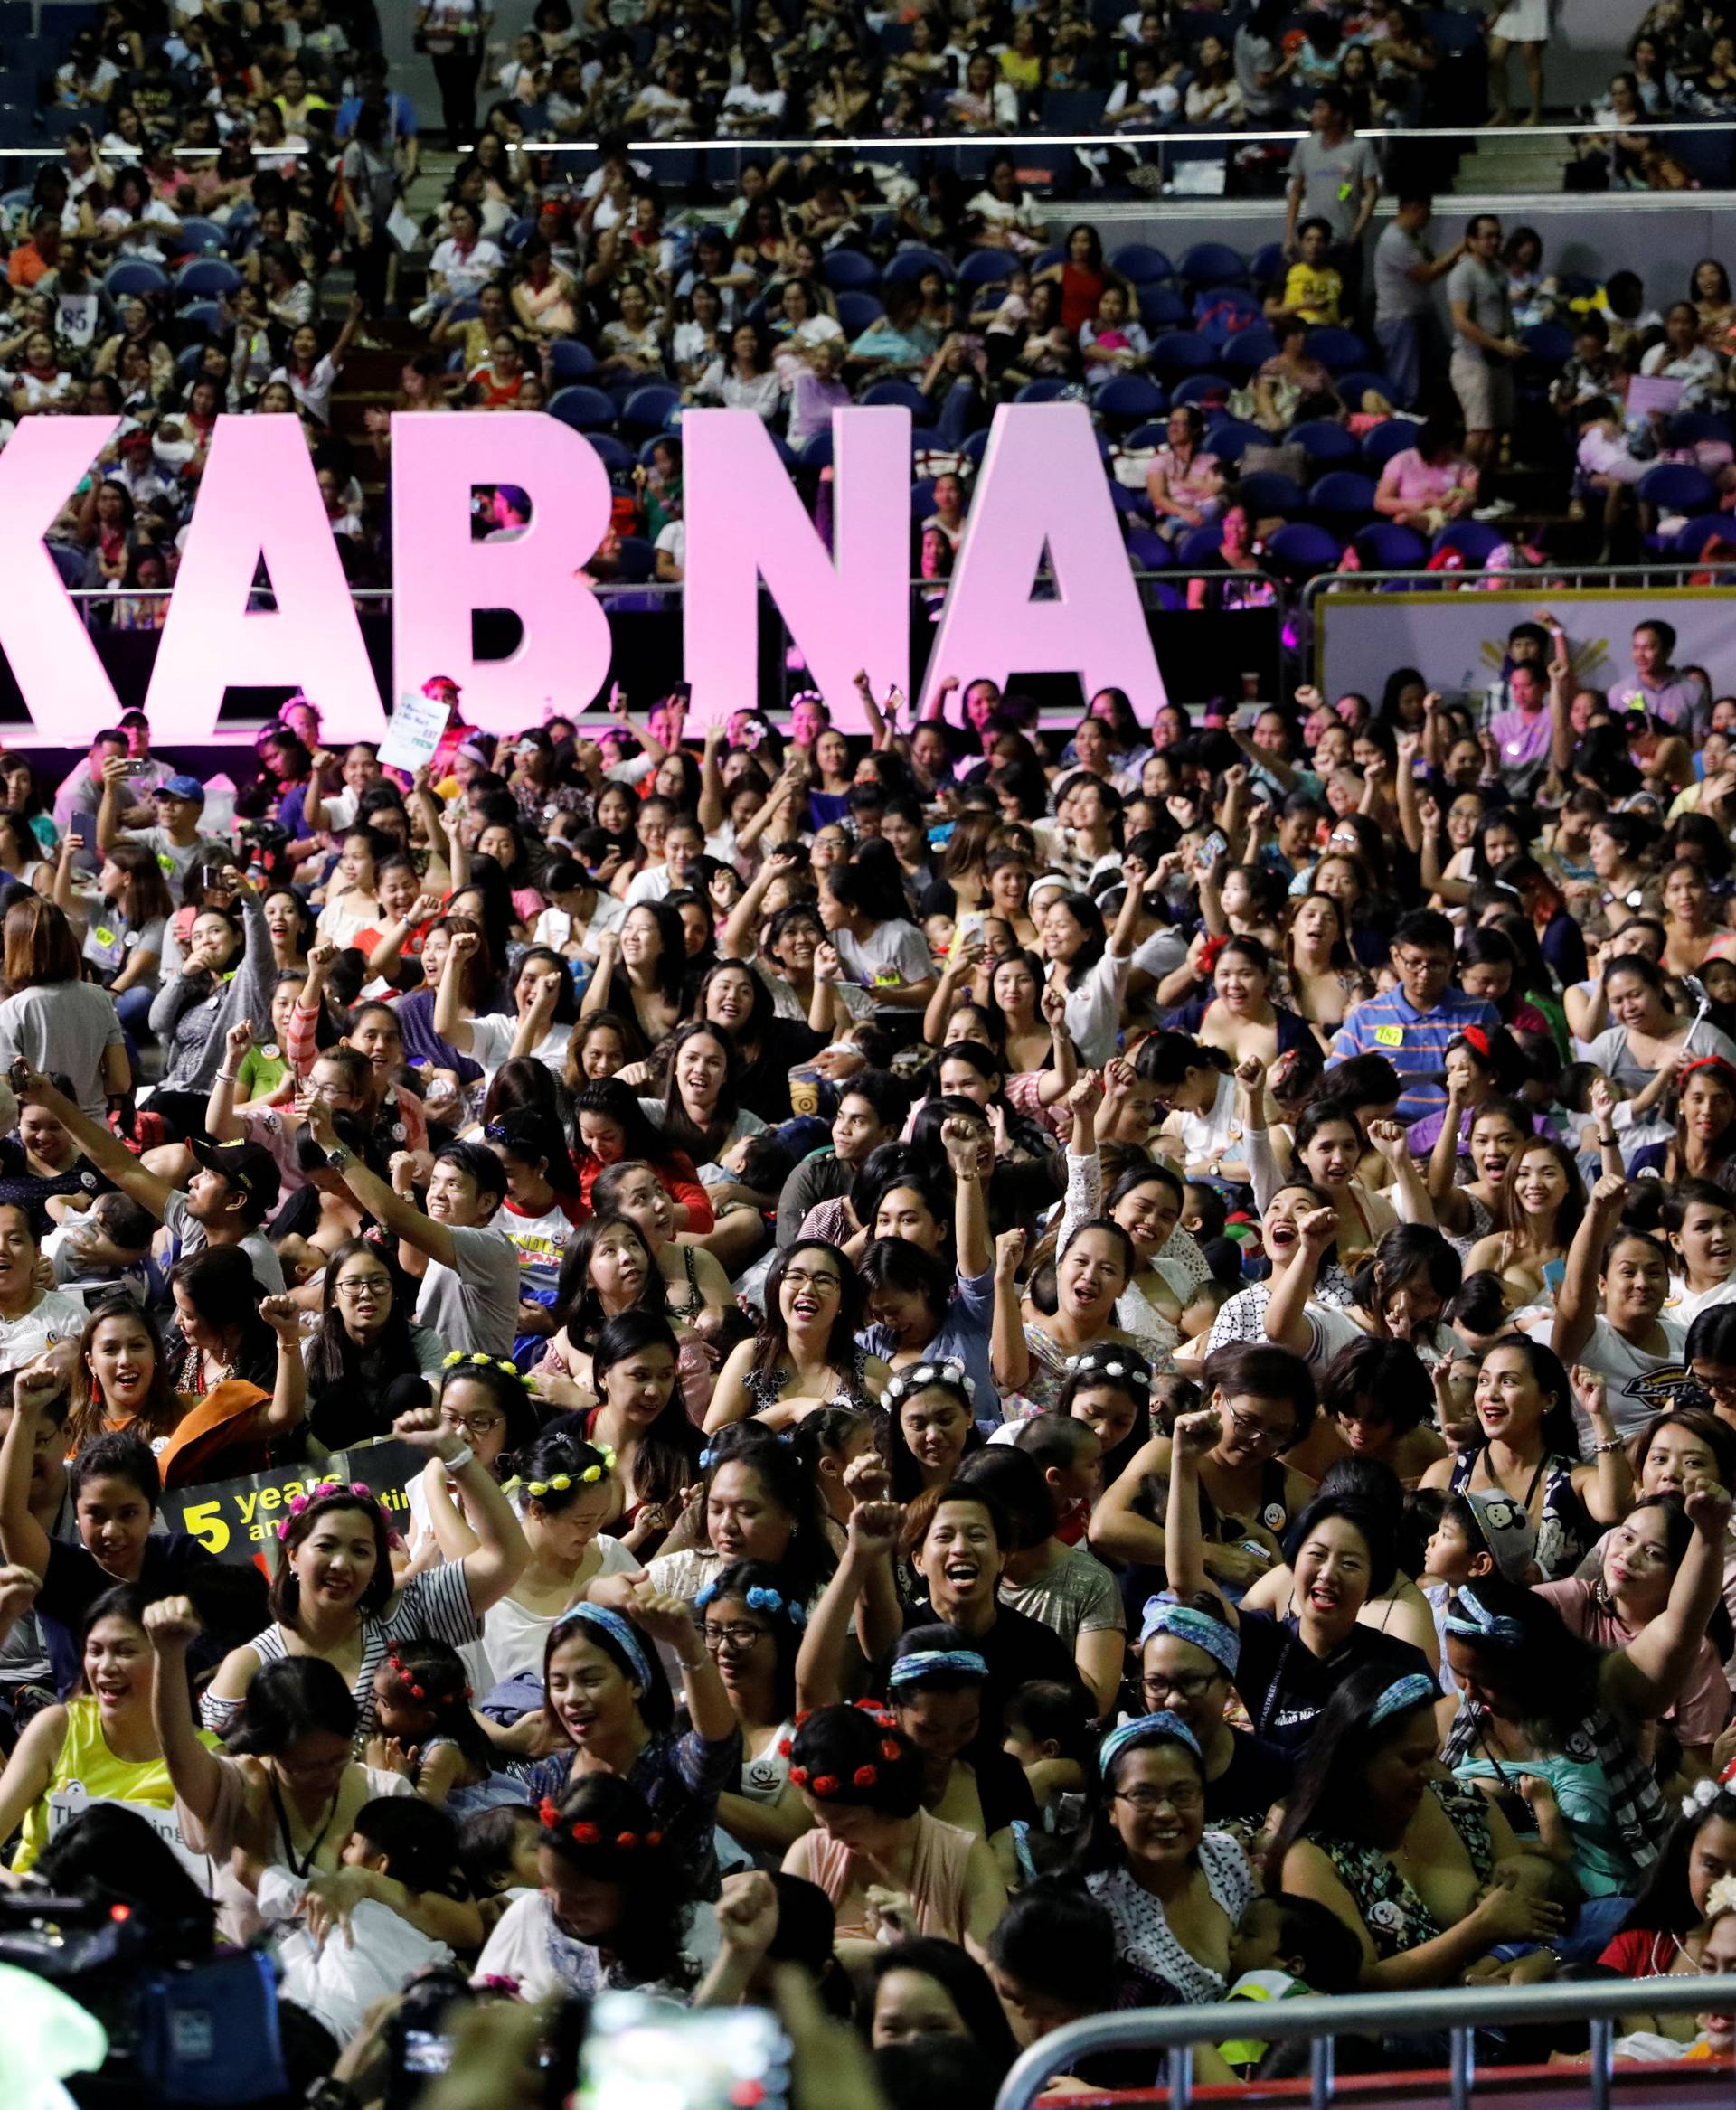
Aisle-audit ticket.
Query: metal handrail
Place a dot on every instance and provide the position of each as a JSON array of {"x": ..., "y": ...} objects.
[{"x": 1459, "y": 2011}]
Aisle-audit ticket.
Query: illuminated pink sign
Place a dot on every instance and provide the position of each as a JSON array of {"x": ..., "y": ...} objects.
[{"x": 1041, "y": 488}]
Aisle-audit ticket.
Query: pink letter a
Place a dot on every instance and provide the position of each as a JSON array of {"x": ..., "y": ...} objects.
[
  {"x": 441, "y": 577},
  {"x": 1042, "y": 482},
  {"x": 258, "y": 498}
]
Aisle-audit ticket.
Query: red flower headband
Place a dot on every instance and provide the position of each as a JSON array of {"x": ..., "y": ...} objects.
[
  {"x": 584, "y": 1835},
  {"x": 822, "y": 1784},
  {"x": 1477, "y": 1038},
  {"x": 1209, "y": 953},
  {"x": 418, "y": 1691}
]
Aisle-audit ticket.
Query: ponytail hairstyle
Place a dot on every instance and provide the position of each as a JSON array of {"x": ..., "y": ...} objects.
[
  {"x": 1165, "y": 1058},
  {"x": 555, "y": 1469},
  {"x": 1409, "y": 1252},
  {"x": 857, "y": 1757},
  {"x": 432, "y": 1675}
]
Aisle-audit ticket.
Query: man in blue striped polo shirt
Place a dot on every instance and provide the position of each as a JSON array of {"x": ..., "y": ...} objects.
[{"x": 1410, "y": 1025}]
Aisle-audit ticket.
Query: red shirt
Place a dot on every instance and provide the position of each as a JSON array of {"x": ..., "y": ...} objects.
[{"x": 675, "y": 1176}]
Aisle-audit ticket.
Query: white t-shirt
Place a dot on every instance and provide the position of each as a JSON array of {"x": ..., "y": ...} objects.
[
  {"x": 655, "y": 883},
  {"x": 491, "y": 1043},
  {"x": 892, "y": 957},
  {"x": 512, "y": 1637},
  {"x": 555, "y": 927},
  {"x": 1637, "y": 1385},
  {"x": 55, "y": 1316}
]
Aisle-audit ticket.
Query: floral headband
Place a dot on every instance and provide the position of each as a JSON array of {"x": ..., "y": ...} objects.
[
  {"x": 822, "y": 1784},
  {"x": 949, "y": 1371},
  {"x": 759, "y": 1599},
  {"x": 1090, "y": 1362},
  {"x": 322, "y": 1491},
  {"x": 461, "y": 1357},
  {"x": 584, "y": 1835},
  {"x": 563, "y": 1483},
  {"x": 416, "y": 1691}
]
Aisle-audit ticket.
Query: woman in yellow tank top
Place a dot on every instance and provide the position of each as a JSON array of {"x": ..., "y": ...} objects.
[{"x": 102, "y": 1743}]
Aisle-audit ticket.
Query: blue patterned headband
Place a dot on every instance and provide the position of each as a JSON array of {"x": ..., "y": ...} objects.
[
  {"x": 619, "y": 1631},
  {"x": 1147, "y": 1725},
  {"x": 1402, "y": 1695},
  {"x": 1221, "y": 1642},
  {"x": 907, "y": 1670},
  {"x": 1468, "y": 1617}
]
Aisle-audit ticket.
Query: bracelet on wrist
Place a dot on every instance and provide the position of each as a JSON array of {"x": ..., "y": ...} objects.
[
  {"x": 464, "y": 1456},
  {"x": 227, "y": 1076},
  {"x": 1614, "y": 1443}
]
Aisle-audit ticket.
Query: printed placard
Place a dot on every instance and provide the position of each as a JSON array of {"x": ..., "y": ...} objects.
[{"x": 237, "y": 1520}]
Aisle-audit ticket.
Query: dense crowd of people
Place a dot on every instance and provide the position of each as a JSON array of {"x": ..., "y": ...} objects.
[{"x": 1020, "y": 1387}]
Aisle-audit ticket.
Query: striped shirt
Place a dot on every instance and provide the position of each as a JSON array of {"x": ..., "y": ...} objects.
[{"x": 1413, "y": 1042}]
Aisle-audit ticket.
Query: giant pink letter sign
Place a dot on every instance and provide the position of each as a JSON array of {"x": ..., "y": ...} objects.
[
  {"x": 745, "y": 521},
  {"x": 441, "y": 577},
  {"x": 1042, "y": 482},
  {"x": 50, "y": 651},
  {"x": 258, "y": 498}
]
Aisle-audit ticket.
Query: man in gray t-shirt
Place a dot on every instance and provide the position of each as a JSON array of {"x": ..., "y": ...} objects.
[
  {"x": 1484, "y": 345},
  {"x": 469, "y": 1270},
  {"x": 1333, "y": 176},
  {"x": 1406, "y": 322}
]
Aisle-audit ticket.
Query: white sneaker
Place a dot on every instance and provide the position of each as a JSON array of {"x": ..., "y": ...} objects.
[{"x": 1496, "y": 509}]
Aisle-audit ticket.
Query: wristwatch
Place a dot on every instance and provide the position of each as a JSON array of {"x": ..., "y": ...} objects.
[
  {"x": 326, "y": 2092},
  {"x": 340, "y": 1158}
]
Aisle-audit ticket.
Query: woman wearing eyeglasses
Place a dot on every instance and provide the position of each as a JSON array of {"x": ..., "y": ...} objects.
[
  {"x": 369, "y": 1357},
  {"x": 804, "y": 1355},
  {"x": 1174, "y": 1889},
  {"x": 1187, "y": 1665},
  {"x": 484, "y": 1403}
]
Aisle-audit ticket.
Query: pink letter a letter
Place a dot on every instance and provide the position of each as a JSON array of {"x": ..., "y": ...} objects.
[{"x": 1042, "y": 481}]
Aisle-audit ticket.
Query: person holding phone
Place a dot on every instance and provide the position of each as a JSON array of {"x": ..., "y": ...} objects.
[{"x": 176, "y": 839}]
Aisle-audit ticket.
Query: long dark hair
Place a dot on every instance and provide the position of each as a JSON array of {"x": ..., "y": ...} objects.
[
  {"x": 668, "y": 1454},
  {"x": 840, "y": 1343},
  {"x": 1665, "y": 1904},
  {"x": 702, "y": 1145},
  {"x": 808, "y": 1561},
  {"x": 967, "y": 1985},
  {"x": 218, "y": 1281},
  {"x": 1328, "y": 1794},
  {"x": 645, "y": 1945},
  {"x": 618, "y": 1103},
  {"x": 1549, "y": 1669},
  {"x": 578, "y": 1300},
  {"x": 162, "y": 1409},
  {"x": 735, "y": 1581},
  {"x": 332, "y": 1357}
]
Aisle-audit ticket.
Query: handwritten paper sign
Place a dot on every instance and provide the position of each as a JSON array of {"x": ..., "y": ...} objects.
[{"x": 417, "y": 725}]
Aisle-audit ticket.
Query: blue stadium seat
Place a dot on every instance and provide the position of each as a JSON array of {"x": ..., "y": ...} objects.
[
  {"x": 201, "y": 314},
  {"x": 134, "y": 276},
  {"x": 1689, "y": 426},
  {"x": 974, "y": 446},
  {"x": 1231, "y": 437},
  {"x": 569, "y": 359},
  {"x": 1130, "y": 396},
  {"x": 1152, "y": 434},
  {"x": 1475, "y": 540},
  {"x": 986, "y": 267},
  {"x": 1212, "y": 263},
  {"x": 1162, "y": 307},
  {"x": 1300, "y": 549},
  {"x": 1247, "y": 351},
  {"x": 1182, "y": 351},
  {"x": 1344, "y": 495},
  {"x": 1267, "y": 492},
  {"x": 1322, "y": 441},
  {"x": 1224, "y": 312},
  {"x": 1199, "y": 546},
  {"x": 582, "y": 408},
  {"x": 1338, "y": 351},
  {"x": 1141, "y": 264},
  {"x": 1149, "y": 551},
  {"x": 518, "y": 233},
  {"x": 207, "y": 278},
  {"x": 1677, "y": 487},
  {"x": 638, "y": 559},
  {"x": 899, "y": 395},
  {"x": 1385, "y": 441},
  {"x": 1355, "y": 385},
  {"x": 1267, "y": 264},
  {"x": 1043, "y": 389},
  {"x": 1550, "y": 344},
  {"x": 615, "y": 455},
  {"x": 913, "y": 262},
  {"x": 648, "y": 408},
  {"x": 1387, "y": 546},
  {"x": 69, "y": 562},
  {"x": 196, "y": 236},
  {"x": 858, "y": 312},
  {"x": 848, "y": 271},
  {"x": 815, "y": 452},
  {"x": 1704, "y": 528},
  {"x": 1203, "y": 391}
]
